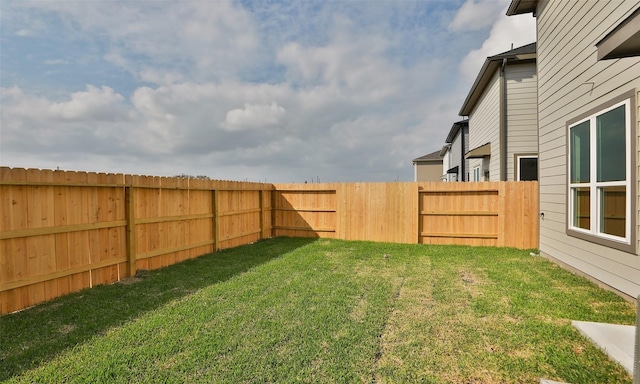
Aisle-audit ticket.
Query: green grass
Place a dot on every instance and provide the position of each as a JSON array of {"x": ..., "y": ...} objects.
[{"x": 298, "y": 310}]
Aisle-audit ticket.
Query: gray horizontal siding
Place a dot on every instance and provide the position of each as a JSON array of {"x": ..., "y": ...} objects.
[
  {"x": 571, "y": 81},
  {"x": 484, "y": 126},
  {"x": 522, "y": 113}
]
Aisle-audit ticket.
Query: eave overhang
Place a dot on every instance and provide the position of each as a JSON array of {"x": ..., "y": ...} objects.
[
  {"x": 623, "y": 41},
  {"x": 431, "y": 161},
  {"x": 479, "y": 152},
  {"x": 520, "y": 7},
  {"x": 444, "y": 150},
  {"x": 455, "y": 128},
  {"x": 489, "y": 68}
]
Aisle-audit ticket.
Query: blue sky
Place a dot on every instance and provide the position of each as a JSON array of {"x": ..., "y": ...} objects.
[{"x": 251, "y": 90}]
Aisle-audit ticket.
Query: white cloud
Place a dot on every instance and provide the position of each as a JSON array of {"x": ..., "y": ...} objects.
[
  {"x": 254, "y": 116},
  {"x": 287, "y": 90},
  {"x": 94, "y": 104},
  {"x": 25, "y": 32},
  {"x": 506, "y": 31},
  {"x": 94, "y": 122},
  {"x": 477, "y": 14},
  {"x": 160, "y": 77},
  {"x": 358, "y": 65}
]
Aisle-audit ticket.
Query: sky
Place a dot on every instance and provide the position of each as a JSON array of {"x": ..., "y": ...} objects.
[{"x": 271, "y": 91}]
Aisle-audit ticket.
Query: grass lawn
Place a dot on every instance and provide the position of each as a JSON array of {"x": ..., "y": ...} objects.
[{"x": 323, "y": 311}]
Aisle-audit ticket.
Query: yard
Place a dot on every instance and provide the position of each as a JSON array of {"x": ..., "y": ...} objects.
[{"x": 303, "y": 310}]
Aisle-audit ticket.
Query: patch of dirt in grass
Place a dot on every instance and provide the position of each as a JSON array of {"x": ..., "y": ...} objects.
[
  {"x": 340, "y": 333},
  {"x": 573, "y": 290},
  {"x": 578, "y": 349},
  {"x": 366, "y": 270},
  {"x": 510, "y": 319},
  {"x": 66, "y": 329},
  {"x": 171, "y": 361},
  {"x": 333, "y": 254},
  {"x": 410, "y": 315},
  {"x": 42, "y": 307},
  {"x": 471, "y": 282},
  {"x": 521, "y": 353},
  {"x": 433, "y": 332},
  {"x": 552, "y": 320},
  {"x": 359, "y": 311},
  {"x": 536, "y": 295},
  {"x": 482, "y": 377},
  {"x": 129, "y": 280},
  {"x": 468, "y": 277},
  {"x": 318, "y": 374},
  {"x": 611, "y": 307}
]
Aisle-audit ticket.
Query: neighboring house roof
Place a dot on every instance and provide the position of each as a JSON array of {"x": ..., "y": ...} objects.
[
  {"x": 431, "y": 157},
  {"x": 444, "y": 149},
  {"x": 518, "y": 7},
  {"x": 526, "y": 53},
  {"x": 623, "y": 41},
  {"x": 457, "y": 126}
]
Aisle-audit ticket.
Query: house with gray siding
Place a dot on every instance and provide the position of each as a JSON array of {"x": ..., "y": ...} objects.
[
  {"x": 502, "y": 109},
  {"x": 458, "y": 142},
  {"x": 588, "y": 67}
]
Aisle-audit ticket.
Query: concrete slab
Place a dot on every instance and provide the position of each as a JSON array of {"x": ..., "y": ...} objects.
[{"x": 617, "y": 341}]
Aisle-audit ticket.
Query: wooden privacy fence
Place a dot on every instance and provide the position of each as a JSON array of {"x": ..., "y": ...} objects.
[
  {"x": 61, "y": 232},
  {"x": 487, "y": 213},
  {"x": 64, "y": 231}
]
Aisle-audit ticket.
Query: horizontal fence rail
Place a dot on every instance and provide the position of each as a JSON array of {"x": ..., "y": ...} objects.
[
  {"x": 487, "y": 213},
  {"x": 65, "y": 231},
  {"x": 61, "y": 232}
]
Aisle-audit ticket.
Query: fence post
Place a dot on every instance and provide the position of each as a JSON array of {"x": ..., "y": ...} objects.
[
  {"x": 502, "y": 212},
  {"x": 274, "y": 193},
  {"x": 261, "y": 205},
  {"x": 636, "y": 358},
  {"x": 131, "y": 230},
  {"x": 418, "y": 206},
  {"x": 338, "y": 226},
  {"x": 216, "y": 221}
]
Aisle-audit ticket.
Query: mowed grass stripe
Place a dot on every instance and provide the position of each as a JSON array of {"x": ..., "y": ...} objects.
[{"x": 296, "y": 310}]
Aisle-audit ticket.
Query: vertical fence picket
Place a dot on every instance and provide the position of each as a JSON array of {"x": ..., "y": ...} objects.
[
  {"x": 131, "y": 230},
  {"x": 216, "y": 221},
  {"x": 261, "y": 207}
]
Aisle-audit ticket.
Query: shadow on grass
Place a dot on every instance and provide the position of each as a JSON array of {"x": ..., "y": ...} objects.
[{"x": 36, "y": 335}]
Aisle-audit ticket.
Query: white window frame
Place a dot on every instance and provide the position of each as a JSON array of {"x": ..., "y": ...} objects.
[
  {"x": 594, "y": 186},
  {"x": 518, "y": 172},
  {"x": 476, "y": 174}
]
